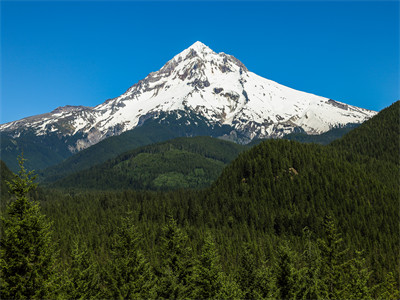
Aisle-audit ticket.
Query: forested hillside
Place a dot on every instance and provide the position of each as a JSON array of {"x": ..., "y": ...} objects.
[
  {"x": 41, "y": 151},
  {"x": 282, "y": 187},
  {"x": 377, "y": 137},
  {"x": 283, "y": 220},
  {"x": 165, "y": 127},
  {"x": 178, "y": 163}
]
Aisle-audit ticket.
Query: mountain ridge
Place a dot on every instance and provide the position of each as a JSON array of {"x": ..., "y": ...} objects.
[{"x": 182, "y": 162}]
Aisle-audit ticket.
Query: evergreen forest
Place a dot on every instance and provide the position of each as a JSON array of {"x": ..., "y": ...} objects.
[{"x": 278, "y": 220}]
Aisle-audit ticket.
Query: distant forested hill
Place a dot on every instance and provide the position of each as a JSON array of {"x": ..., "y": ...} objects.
[
  {"x": 378, "y": 137},
  {"x": 178, "y": 163},
  {"x": 165, "y": 127}
]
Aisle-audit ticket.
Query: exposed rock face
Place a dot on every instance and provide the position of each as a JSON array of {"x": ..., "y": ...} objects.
[{"x": 215, "y": 86}]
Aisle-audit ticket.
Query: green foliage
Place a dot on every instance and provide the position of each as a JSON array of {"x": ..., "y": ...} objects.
[
  {"x": 286, "y": 277},
  {"x": 5, "y": 175},
  {"x": 207, "y": 274},
  {"x": 230, "y": 289},
  {"x": 176, "y": 270},
  {"x": 83, "y": 274},
  {"x": 341, "y": 277},
  {"x": 164, "y": 127},
  {"x": 377, "y": 137},
  {"x": 333, "y": 263},
  {"x": 247, "y": 274},
  {"x": 310, "y": 280},
  {"x": 358, "y": 277},
  {"x": 28, "y": 255},
  {"x": 22, "y": 183},
  {"x": 388, "y": 289},
  {"x": 178, "y": 163},
  {"x": 40, "y": 151},
  {"x": 131, "y": 276}
]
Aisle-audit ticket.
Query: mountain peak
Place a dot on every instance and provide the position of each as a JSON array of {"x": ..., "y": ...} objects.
[
  {"x": 199, "y": 46},
  {"x": 198, "y": 49}
]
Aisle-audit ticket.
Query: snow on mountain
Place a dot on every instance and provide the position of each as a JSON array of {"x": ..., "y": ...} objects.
[{"x": 216, "y": 86}]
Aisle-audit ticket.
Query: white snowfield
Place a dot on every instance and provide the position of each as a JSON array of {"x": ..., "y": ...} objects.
[{"x": 214, "y": 85}]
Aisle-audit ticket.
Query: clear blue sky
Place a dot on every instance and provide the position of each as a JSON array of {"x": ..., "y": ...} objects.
[{"x": 56, "y": 53}]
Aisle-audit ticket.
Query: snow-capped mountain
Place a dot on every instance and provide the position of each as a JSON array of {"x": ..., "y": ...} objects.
[{"x": 215, "y": 86}]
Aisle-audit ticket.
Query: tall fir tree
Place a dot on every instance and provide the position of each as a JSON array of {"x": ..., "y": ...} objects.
[
  {"x": 333, "y": 262},
  {"x": 247, "y": 276},
  {"x": 28, "y": 253},
  {"x": 309, "y": 274},
  {"x": 131, "y": 276},
  {"x": 286, "y": 276},
  {"x": 207, "y": 274},
  {"x": 82, "y": 275},
  {"x": 177, "y": 264}
]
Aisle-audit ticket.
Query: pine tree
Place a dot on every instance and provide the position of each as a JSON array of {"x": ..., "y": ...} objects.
[
  {"x": 247, "y": 276},
  {"x": 207, "y": 273},
  {"x": 28, "y": 254},
  {"x": 333, "y": 263},
  {"x": 131, "y": 275},
  {"x": 286, "y": 279},
  {"x": 309, "y": 275},
  {"x": 82, "y": 278},
  {"x": 177, "y": 264}
]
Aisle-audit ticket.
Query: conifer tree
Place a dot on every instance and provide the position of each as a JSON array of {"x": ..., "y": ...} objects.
[
  {"x": 177, "y": 264},
  {"x": 247, "y": 274},
  {"x": 333, "y": 263},
  {"x": 131, "y": 276},
  {"x": 28, "y": 254},
  {"x": 207, "y": 273},
  {"x": 83, "y": 278},
  {"x": 286, "y": 279},
  {"x": 309, "y": 275}
]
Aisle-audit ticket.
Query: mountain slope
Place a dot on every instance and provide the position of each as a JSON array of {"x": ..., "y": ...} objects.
[
  {"x": 165, "y": 127},
  {"x": 40, "y": 151},
  {"x": 179, "y": 163},
  {"x": 281, "y": 187},
  {"x": 378, "y": 137},
  {"x": 284, "y": 186},
  {"x": 199, "y": 82}
]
